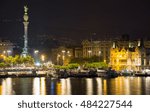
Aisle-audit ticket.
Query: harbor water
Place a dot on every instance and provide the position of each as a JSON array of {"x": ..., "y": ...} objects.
[{"x": 75, "y": 86}]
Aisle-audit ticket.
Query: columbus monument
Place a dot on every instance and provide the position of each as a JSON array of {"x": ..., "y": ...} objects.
[{"x": 26, "y": 23}]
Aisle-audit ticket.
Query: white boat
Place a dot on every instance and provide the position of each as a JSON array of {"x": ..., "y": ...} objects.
[{"x": 101, "y": 72}]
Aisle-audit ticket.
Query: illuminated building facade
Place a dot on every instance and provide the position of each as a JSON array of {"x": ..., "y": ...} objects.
[
  {"x": 130, "y": 58},
  {"x": 78, "y": 52},
  {"x": 6, "y": 48},
  {"x": 97, "y": 48},
  {"x": 62, "y": 55},
  {"x": 120, "y": 54}
]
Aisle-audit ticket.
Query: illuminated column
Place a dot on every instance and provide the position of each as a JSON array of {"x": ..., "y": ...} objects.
[
  {"x": 26, "y": 17},
  {"x": 63, "y": 56}
]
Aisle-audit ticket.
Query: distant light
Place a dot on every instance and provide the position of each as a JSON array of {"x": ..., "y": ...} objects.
[
  {"x": 36, "y": 51},
  {"x": 8, "y": 51},
  {"x": 37, "y": 64},
  {"x": 89, "y": 51},
  {"x": 58, "y": 55},
  {"x": 43, "y": 57},
  {"x": 63, "y": 51},
  {"x": 4, "y": 52}
]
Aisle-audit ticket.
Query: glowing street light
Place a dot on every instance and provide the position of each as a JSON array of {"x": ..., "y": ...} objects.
[
  {"x": 58, "y": 56},
  {"x": 99, "y": 55},
  {"x": 42, "y": 57},
  {"x": 3, "y": 56},
  {"x": 36, "y": 51},
  {"x": 63, "y": 51},
  {"x": 63, "y": 57},
  {"x": 36, "y": 57},
  {"x": 4, "y": 52},
  {"x": 8, "y": 52}
]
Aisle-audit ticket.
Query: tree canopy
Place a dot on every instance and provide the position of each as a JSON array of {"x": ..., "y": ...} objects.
[{"x": 17, "y": 60}]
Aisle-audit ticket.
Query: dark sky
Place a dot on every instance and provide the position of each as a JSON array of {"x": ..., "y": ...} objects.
[{"x": 75, "y": 18}]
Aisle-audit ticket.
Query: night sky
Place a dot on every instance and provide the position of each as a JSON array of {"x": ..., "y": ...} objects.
[{"x": 75, "y": 19}]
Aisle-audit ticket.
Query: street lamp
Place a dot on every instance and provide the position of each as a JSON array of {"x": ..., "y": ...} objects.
[
  {"x": 58, "y": 56},
  {"x": 43, "y": 58},
  {"x": 3, "y": 56},
  {"x": 63, "y": 51},
  {"x": 36, "y": 56},
  {"x": 36, "y": 51},
  {"x": 63, "y": 57},
  {"x": 99, "y": 55},
  {"x": 4, "y": 52},
  {"x": 8, "y": 52}
]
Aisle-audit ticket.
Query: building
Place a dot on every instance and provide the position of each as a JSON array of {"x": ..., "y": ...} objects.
[
  {"x": 97, "y": 48},
  {"x": 78, "y": 53},
  {"x": 62, "y": 55},
  {"x": 120, "y": 54},
  {"x": 130, "y": 58},
  {"x": 6, "y": 48}
]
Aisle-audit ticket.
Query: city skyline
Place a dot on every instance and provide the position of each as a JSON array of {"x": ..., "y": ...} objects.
[{"x": 75, "y": 48}]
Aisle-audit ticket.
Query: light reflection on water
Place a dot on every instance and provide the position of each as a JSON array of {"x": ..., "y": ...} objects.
[
  {"x": 75, "y": 86},
  {"x": 89, "y": 86}
]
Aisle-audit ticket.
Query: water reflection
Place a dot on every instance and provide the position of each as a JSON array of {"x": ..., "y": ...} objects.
[
  {"x": 6, "y": 87},
  {"x": 36, "y": 86},
  {"x": 127, "y": 86},
  {"x": 147, "y": 86},
  {"x": 75, "y": 86},
  {"x": 43, "y": 86},
  {"x": 59, "y": 88},
  {"x": 65, "y": 87},
  {"x": 99, "y": 86},
  {"x": 39, "y": 87},
  {"x": 104, "y": 87},
  {"x": 89, "y": 86},
  {"x": 52, "y": 87}
]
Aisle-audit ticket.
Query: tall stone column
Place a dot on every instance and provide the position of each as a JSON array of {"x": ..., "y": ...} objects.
[{"x": 26, "y": 23}]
